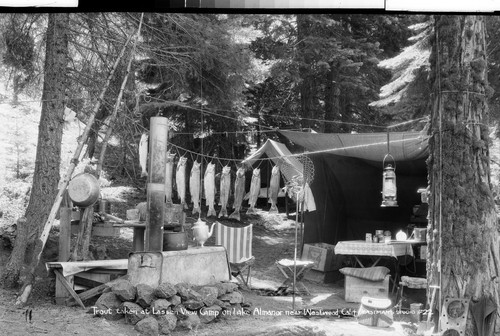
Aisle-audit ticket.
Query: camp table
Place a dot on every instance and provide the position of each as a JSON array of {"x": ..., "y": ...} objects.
[
  {"x": 91, "y": 273},
  {"x": 358, "y": 248}
]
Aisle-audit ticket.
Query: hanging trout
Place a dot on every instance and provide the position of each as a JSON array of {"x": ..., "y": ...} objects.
[
  {"x": 225, "y": 183},
  {"x": 209, "y": 187},
  {"x": 194, "y": 187},
  {"x": 169, "y": 171},
  {"x": 239, "y": 192},
  {"x": 143, "y": 154},
  {"x": 180, "y": 180},
  {"x": 274, "y": 187},
  {"x": 254, "y": 191}
]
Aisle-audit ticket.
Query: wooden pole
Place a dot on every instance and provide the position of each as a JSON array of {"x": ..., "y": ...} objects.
[
  {"x": 81, "y": 250},
  {"x": 63, "y": 184},
  {"x": 158, "y": 137},
  {"x": 65, "y": 228}
]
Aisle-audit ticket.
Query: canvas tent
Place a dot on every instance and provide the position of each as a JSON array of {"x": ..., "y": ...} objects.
[
  {"x": 289, "y": 165},
  {"x": 280, "y": 155},
  {"x": 348, "y": 181}
]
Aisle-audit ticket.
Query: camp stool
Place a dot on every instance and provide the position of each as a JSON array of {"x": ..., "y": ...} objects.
[
  {"x": 286, "y": 266},
  {"x": 409, "y": 282}
]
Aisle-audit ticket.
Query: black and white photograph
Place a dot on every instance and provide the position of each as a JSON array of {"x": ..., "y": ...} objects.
[{"x": 239, "y": 167}]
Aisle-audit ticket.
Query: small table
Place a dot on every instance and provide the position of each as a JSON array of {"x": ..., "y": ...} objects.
[
  {"x": 93, "y": 273},
  {"x": 286, "y": 267},
  {"x": 393, "y": 249}
]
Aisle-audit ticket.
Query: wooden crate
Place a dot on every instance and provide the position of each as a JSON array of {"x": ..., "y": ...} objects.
[
  {"x": 322, "y": 254},
  {"x": 356, "y": 288},
  {"x": 105, "y": 230}
]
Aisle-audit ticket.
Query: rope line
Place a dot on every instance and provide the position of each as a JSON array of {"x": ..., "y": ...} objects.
[
  {"x": 332, "y": 150},
  {"x": 269, "y": 129}
]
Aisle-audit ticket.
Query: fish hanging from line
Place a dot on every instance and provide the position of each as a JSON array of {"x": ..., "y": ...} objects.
[
  {"x": 194, "y": 187},
  {"x": 274, "y": 188},
  {"x": 209, "y": 187},
  {"x": 180, "y": 180},
  {"x": 169, "y": 171},
  {"x": 239, "y": 192},
  {"x": 143, "y": 154},
  {"x": 225, "y": 184},
  {"x": 254, "y": 191}
]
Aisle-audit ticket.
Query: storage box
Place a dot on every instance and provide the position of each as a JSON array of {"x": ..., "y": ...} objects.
[
  {"x": 356, "y": 288},
  {"x": 322, "y": 254},
  {"x": 105, "y": 230},
  {"x": 196, "y": 266}
]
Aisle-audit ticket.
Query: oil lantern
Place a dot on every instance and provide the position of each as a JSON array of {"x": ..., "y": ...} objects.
[{"x": 389, "y": 189}]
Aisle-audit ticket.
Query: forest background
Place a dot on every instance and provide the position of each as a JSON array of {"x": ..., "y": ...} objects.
[{"x": 227, "y": 82}]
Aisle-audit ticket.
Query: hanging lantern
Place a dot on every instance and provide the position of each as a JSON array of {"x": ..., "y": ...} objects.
[{"x": 389, "y": 189}]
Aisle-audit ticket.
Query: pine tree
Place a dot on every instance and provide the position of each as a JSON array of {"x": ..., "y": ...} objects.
[
  {"x": 48, "y": 155},
  {"x": 463, "y": 231}
]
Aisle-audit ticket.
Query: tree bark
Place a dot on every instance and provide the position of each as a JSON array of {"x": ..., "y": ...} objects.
[
  {"x": 307, "y": 82},
  {"x": 332, "y": 102},
  {"x": 463, "y": 231},
  {"x": 50, "y": 131}
]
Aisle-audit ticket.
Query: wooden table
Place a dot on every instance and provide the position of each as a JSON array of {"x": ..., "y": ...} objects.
[
  {"x": 357, "y": 248},
  {"x": 92, "y": 274},
  {"x": 174, "y": 220},
  {"x": 361, "y": 248}
]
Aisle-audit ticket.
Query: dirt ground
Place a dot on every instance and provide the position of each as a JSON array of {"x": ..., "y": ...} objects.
[{"x": 271, "y": 315}]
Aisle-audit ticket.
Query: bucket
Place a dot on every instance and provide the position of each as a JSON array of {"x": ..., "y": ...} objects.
[
  {"x": 175, "y": 241},
  {"x": 420, "y": 234},
  {"x": 83, "y": 189}
]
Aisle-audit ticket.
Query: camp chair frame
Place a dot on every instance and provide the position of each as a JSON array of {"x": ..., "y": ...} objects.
[{"x": 238, "y": 244}]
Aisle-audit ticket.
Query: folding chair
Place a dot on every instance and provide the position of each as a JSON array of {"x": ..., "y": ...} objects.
[{"x": 238, "y": 244}]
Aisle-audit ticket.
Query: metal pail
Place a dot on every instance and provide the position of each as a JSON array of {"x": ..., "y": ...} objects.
[
  {"x": 83, "y": 189},
  {"x": 175, "y": 241}
]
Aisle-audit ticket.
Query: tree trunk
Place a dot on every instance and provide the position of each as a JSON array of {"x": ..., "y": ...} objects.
[
  {"x": 307, "y": 82},
  {"x": 463, "y": 232},
  {"x": 332, "y": 102},
  {"x": 50, "y": 131},
  {"x": 11, "y": 272}
]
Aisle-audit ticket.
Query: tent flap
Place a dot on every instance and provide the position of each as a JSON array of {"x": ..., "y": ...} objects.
[{"x": 289, "y": 165}]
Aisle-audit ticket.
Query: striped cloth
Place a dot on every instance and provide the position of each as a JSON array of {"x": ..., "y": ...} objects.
[
  {"x": 360, "y": 247},
  {"x": 237, "y": 241},
  {"x": 376, "y": 273}
]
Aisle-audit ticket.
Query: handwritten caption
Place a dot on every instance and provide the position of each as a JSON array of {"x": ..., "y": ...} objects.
[{"x": 246, "y": 312}]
